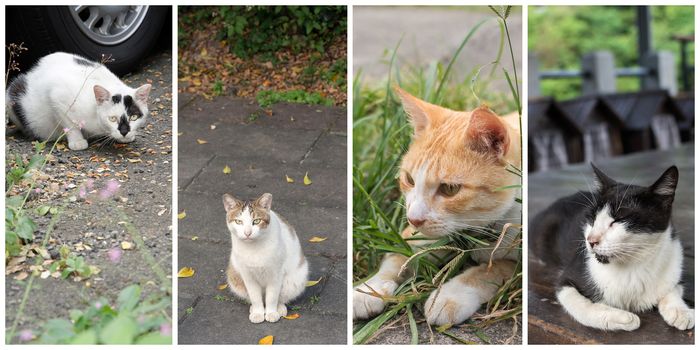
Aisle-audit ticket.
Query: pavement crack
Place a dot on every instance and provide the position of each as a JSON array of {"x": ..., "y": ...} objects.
[
  {"x": 312, "y": 147},
  {"x": 185, "y": 314},
  {"x": 198, "y": 172}
]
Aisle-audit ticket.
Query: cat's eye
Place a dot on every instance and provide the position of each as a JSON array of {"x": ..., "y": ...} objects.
[
  {"x": 409, "y": 179},
  {"x": 449, "y": 190},
  {"x": 113, "y": 119},
  {"x": 256, "y": 221},
  {"x": 238, "y": 222},
  {"x": 133, "y": 117}
]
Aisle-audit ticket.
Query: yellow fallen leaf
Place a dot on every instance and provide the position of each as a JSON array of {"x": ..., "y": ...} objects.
[
  {"x": 313, "y": 283},
  {"x": 127, "y": 245},
  {"x": 315, "y": 239},
  {"x": 185, "y": 272},
  {"x": 292, "y": 316},
  {"x": 182, "y": 215},
  {"x": 180, "y": 133},
  {"x": 307, "y": 180},
  {"x": 227, "y": 170},
  {"x": 222, "y": 286},
  {"x": 194, "y": 238},
  {"x": 201, "y": 142},
  {"x": 289, "y": 179},
  {"x": 266, "y": 340}
]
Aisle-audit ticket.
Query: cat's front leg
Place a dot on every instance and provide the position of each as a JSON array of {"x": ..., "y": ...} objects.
[
  {"x": 457, "y": 300},
  {"x": 255, "y": 294},
  {"x": 385, "y": 282},
  {"x": 596, "y": 315},
  {"x": 674, "y": 310},
  {"x": 76, "y": 141},
  {"x": 272, "y": 294}
]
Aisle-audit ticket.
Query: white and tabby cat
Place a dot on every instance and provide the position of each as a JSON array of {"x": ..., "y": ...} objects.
[
  {"x": 266, "y": 258},
  {"x": 65, "y": 92},
  {"x": 617, "y": 251}
]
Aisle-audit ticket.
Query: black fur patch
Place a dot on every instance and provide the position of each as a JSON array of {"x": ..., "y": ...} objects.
[
  {"x": 124, "y": 127},
  {"x": 17, "y": 89},
  {"x": 117, "y": 98},
  {"x": 131, "y": 107},
  {"x": 83, "y": 62}
]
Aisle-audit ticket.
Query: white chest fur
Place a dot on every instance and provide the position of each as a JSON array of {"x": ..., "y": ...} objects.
[{"x": 639, "y": 285}]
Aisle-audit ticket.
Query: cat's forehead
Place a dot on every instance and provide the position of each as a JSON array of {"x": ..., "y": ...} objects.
[{"x": 127, "y": 103}]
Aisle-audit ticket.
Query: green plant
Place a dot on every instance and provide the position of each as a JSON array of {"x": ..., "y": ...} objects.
[
  {"x": 71, "y": 264},
  {"x": 381, "y": 134},
  {"x": 218, "y": 88},
  {"x": 132, "y": 321},
  {"x": 267, "y": 98}
]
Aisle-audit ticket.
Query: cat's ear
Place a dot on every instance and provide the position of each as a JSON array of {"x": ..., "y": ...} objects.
[
  {"x": 101, "y": 94},
  {"x": 265, "y": 201},
  {"x": 142, "y": 92},
  {"x": 231, "y": 202},
  {"x": 415, "y": 109},
  {"x": 604, "y": 181},
  {"x": 487, "y": 133},
  {"x": 666, "y": 184}
]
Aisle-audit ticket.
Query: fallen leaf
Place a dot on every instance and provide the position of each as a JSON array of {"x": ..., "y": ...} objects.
[
  {"x": 44, "y": 275},
  {"x": 22, "y": 276},
  {"x": 292, "y": 316},
  {"x": 181, "y": 215},
  {"x": 227, "y": 170},
  {"x": 194, "y": 238},
  {"x": 307, "y": 180},
  {"x": 201, "y": 142},
  {"x": 127, "y": 245},
  {"x": 289, "y": 179},
  {"x": 266, "y": 340},
  {"x": 185, "y": 272},
  {"x": 313, "y": 283},
  {"x": 315, "y": 239},
  {"x": 222, "y": 286},
  {"x": 212, "y": 126}
]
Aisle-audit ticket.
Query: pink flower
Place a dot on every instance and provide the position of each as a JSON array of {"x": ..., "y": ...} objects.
[
  {"x": 26, "y": 335},
  {"x": 81, "y": 124},
  {"x": 82, "y": 192},
  {"x": 66, "y": 130},
  {"x": 37, "y": 190},
  {"x": 90, "y": 183},
  {"x": 166, "y": 329},
  {"x": 98, "y": 305},
  {"x": 110, "y": 189},
  {"x": 115, "y": 255}
]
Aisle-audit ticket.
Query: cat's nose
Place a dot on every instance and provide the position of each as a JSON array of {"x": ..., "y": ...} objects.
[
  {"x": 416, "y": 222},
  {"x": 593, "y": 241}
]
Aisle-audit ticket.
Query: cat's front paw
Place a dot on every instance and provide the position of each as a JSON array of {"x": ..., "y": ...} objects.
[
  {"x": 272, "y": 316},
  {"x": 77, "y": 145},
  {"x": 282, "y": 309},
  {"x": 257, "y": 314},
  {"x": 680, "y": 317},
  {"x": 364, "y": 305},
  {"x": 616, "y": 320},
  {"x": 451, "y": 304}
]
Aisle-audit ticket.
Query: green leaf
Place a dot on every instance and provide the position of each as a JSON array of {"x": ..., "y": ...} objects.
[
  {"x": 53, "y": 210},
  {"x": 57, "y": 331},
  {"x": 154, "y": 338},
  {"x": 43, "y": 209},
  {"x": 128, "y": 298},
  {"x": 25, "y": 227},
  {"x": 120, "y": 330},
  {"x": 86, "y": 337}
]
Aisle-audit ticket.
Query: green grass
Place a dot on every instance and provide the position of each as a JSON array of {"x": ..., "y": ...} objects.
[
  {"x": 266, "y": 98},
  {"x": 381, "y": 135}
]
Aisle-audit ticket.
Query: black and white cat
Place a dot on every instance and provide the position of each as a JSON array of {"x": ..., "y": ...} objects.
[
  {"x": 67, "y": 93},
  {"x": 617, "y": 251}
]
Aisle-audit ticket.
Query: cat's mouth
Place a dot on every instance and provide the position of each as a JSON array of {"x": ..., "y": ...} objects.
[{"x": 603, "y": 259}]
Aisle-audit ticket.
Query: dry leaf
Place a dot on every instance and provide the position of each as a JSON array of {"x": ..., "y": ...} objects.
[
  {"x": 212, "y": 126},
  {"x": 289, "y": 179},
  {"x": 266, "y": 340},
  {"x": 227, "y": 170},
  {"x": 127, "y": 245},
  {"x": 22, "y": 276},
  {"x": 181, "y": 215},
  {"x": 313, "y": 283},
  {"x": 222, "y": 286},
  {"x": 194, "y": 238},
  {"x": 292, "y": 316},
  {"x": 307, "y": 180},
  {"x": 201, "y": 142},
  {"x": 185, "y": 272},
  {"x": 44, "y": 275},
  {"x": 315, "y": 239}
]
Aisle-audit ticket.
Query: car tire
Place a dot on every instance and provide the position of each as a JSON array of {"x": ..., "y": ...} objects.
[{"x": 48, "y": 29}]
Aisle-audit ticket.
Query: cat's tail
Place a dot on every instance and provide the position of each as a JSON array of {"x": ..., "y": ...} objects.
[{"x": 15, "y": 91}]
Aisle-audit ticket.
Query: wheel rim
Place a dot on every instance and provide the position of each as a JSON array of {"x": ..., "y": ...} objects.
[{"x": 108, "y": 25}]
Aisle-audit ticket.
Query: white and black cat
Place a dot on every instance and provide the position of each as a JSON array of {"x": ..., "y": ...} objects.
[
  {"x": 68, "y": 93},
  {"x": 617, "y": 251}
]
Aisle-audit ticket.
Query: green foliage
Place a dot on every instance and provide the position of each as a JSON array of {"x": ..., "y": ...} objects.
[
  {"x": 71, "y": 264},
  {"x": 561, "y": 35},
  {"x": 267, "y": 98},
  {"x": 218, "y": 88},
  {"x": 133, "y": 321},
  {"x": 251, "y": 30}
]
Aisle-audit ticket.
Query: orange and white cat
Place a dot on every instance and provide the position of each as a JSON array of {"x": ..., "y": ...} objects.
[{"x": 452, "y": 178}]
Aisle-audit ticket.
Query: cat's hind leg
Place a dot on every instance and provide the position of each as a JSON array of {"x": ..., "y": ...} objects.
[
  {"x": 235, "y": 283},
  {"x": 293, "y": 285},
  {"x": 674, "y": 310},
  {"x": 457, "y": 300},
  {"x": 384, "y": 282},
  {"x": 596, "y": 315}
]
